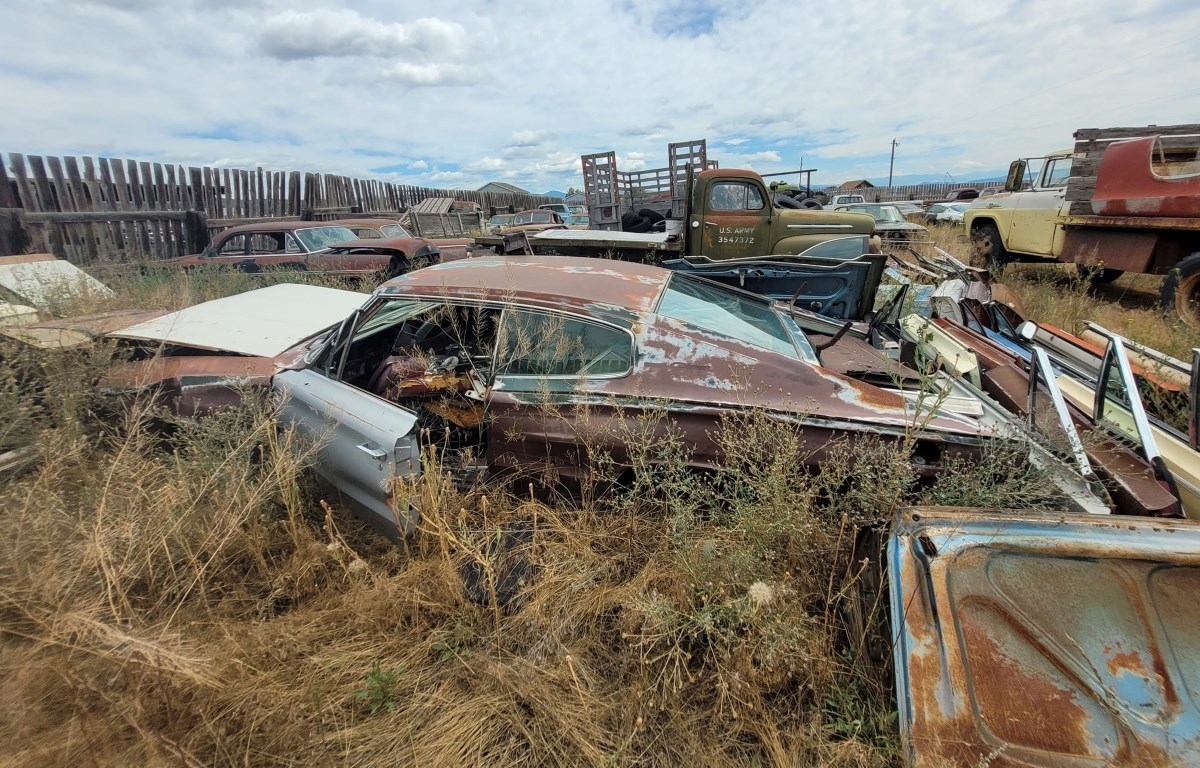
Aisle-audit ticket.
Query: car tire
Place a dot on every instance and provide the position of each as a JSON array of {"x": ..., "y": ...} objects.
[
  {"x": 1181, "y": 291},
  {"x": 986, "y": 243},
  {"x": 638, "y": 224},
  {"x": 811, "y": 203},
  {"x": 651, "y": 214},
  {"x": 396, "y": 267},
  {"x": 1098, "y": 275},
  {"x": 787, "y": 202}
]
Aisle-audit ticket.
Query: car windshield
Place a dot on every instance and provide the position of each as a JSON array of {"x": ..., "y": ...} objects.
[
  {"x": 501, "y": 220},
  {"x": 320, "y": 238},
  {"x": 880, "y": 212},
  {"x": 394, "y": 230},
  {"x": 726, "y": 312},
  {"x": 960, "y": 207},
  {"x": 534, "y": 217}
]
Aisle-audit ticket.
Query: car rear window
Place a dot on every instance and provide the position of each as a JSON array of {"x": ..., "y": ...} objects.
[{"x": 727, "y": 313}]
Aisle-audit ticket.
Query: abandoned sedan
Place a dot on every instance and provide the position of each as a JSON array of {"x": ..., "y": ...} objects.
[
  {"x": 539, "y": 366},
  {"x": 308, "y": 246}
]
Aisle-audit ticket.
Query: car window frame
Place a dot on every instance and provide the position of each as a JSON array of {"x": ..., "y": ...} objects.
[
  {"x": 712, "y": 194},
  {"x": 217, "y": 251},
  {"x": 508, "y": 308}
]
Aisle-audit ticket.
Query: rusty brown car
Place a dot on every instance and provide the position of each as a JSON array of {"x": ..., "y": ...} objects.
[
  {"x": 519, "y": 362},
  {"x": 309, "y": 246},
  {"x": 391, "y": 234}
]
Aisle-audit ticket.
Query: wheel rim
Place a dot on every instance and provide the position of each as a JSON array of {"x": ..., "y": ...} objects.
[{"x": 1187, "y": 299}]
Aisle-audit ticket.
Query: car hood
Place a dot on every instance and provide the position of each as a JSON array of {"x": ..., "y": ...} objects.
[
  {"x": 1026, "y": 639},
  {"x": 39, "y": 279},
  {"x": 263, "y": 323},
  {"x": 405, "y": 244}
]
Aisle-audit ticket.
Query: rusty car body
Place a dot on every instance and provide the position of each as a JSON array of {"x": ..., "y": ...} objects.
[
  {"x": 302, "y": 245},
  {"x": 1136, "y": 178},
  {"x": 536, "y": 365},
  {"x": 206, "y": 356},
  {"x": 1045, "y": 641},
  {"x": 400, "y": 239}
]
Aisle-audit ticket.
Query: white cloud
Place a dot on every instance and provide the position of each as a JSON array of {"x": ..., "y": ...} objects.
[
  {"x": 301, "y": 89},
  {"x": 485, "y": 164},
  {"x": 769, "y": 156},
  {"x": 344, "y": 32},
  {"x": 527, "y": 138},
  {"x": 427, "y": 74}
]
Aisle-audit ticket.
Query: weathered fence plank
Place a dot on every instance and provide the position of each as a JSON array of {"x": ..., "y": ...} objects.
[{"x": 133, "y": 210}]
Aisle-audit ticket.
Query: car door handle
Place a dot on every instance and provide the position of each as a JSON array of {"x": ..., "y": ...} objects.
[
  {"x": 375, "y": 453},
  {"x": 992, "y": 205}
]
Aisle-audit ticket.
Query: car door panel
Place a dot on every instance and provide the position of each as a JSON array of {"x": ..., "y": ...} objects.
[
  {"x": 363, "y": 442},
  {"x": 1032, "y": 639}
]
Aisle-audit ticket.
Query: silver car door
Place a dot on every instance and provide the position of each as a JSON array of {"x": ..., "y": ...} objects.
[{"x": 363, "y": 443}]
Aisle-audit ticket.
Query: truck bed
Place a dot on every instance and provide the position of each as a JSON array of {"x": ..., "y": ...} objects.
[
  {"x": 598, "y": 238},
  {"x": 1132, "y": 222},
  {"x": 587, "y": 242}
]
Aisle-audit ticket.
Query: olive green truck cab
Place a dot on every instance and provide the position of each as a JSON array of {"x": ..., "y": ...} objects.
[
  {"x": 1121, "y": 200},
  {"x": 728, "y": 216}
]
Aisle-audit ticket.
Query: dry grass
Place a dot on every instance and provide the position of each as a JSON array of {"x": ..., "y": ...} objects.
[{"x": 196, "y": 601}]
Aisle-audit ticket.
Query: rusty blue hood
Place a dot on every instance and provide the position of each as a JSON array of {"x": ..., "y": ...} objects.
[{"x": 1046, "y": 640}]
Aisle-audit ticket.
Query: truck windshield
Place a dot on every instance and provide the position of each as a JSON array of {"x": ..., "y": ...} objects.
[{"x": 726, "y": 312}]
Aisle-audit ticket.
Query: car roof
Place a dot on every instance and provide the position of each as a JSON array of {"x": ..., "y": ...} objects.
[
  {"x": 567, "y": 281},
  {"x": 362, "y": 222},
  {"x": 279, "y": 226}
]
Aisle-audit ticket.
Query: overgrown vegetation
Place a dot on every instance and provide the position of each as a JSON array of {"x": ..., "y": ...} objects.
[{"x": 199, "y": 602}]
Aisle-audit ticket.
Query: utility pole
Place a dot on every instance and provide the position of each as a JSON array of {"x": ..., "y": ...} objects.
[{"x": 891, "y": 164}]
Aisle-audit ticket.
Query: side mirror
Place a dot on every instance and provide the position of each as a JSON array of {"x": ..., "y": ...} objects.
[
  {"x": 1027, "y": 330},
  {"x": 1016, "y": 176}
]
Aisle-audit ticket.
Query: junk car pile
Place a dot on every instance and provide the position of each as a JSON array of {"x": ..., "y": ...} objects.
[{"x": 1045, "y": 639}]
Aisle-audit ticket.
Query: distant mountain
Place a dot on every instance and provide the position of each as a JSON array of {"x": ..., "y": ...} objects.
[{"x": 555, "y": 193}]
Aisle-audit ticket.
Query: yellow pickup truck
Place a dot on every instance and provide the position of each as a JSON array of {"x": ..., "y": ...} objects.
[{"x": 1122, "y": 200}]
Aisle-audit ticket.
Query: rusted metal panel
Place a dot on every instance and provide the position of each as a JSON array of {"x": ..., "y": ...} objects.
[
  {"x": 1128, "y": 251},
  {"x": 1036, "y": 640},
  {"x": 1138, "y": 178},
  {"x": 263, "y": 322}
]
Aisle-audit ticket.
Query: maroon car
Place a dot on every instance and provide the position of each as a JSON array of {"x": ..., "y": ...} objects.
[
  {"x": 311, "y": 246},
  {"x": 392, "y": 234}
]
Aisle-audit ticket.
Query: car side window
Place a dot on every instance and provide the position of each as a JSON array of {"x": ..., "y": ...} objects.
[
  {"x": 735, "y": 196},
  {"x": 290, "y": 244},
  {"x": 266, "y": 242},
  {"x": 1057, "y": 172},
  {"x": 544, "y": 344},
  {"x": 366, "y": 233},
  {"x": 233, "y": 246}
]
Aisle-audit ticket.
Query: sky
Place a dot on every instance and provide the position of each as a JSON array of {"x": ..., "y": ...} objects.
[{"x": 454, "y": 95}]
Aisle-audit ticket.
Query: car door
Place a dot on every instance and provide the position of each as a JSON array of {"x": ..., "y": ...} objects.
[
  {"x": 1033, "y": 639},
  {"x": 1034, "y": 224},
  {"x": 736, "y": 222},
  {"x": 362, "y": 442},
  {"x": 546, "y": 414}
]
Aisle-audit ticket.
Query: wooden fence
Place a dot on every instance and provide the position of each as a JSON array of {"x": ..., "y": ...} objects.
[
  {"x": 91, "y": 209},
  {"x": 930, "y": 191}
]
